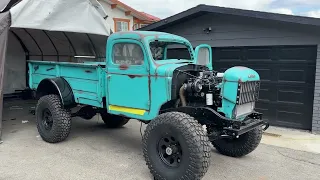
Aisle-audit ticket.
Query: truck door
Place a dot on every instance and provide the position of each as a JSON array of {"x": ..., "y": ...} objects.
[
  {"x": 203, "y": 55},
  {"x": 127, "y": 78}
]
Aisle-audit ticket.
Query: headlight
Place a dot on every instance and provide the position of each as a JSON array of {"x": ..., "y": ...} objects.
[{"x": 244, "y": 109}]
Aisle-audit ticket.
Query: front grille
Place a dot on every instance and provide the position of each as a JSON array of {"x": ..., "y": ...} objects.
[{"x": 248, "y": 92}]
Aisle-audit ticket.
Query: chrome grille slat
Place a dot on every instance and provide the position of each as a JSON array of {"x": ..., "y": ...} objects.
[{"x": 248, "y": 92}]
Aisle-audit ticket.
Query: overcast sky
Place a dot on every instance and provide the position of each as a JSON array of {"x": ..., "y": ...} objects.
[{"x": 166, "y": 8}]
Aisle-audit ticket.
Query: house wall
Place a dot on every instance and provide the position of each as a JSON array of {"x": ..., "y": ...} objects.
[
  {"x": 235, "y": 31},
  {"x": 316, "y": 102},
  {"x": 115, "y": 13}
]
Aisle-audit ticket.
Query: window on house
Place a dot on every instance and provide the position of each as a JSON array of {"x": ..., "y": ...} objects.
[
  {"x": 127, "y": 53},
  {"x": 121, "y": 24},
  {"x": 136, "y": 26}
]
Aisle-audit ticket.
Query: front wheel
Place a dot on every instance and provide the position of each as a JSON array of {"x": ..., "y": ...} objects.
[
  {"x": 176, "y": 147},
  {"x": 241, "y": 146}
]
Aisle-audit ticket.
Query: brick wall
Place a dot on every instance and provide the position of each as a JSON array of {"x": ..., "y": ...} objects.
[{"x": 316, "y": 103}]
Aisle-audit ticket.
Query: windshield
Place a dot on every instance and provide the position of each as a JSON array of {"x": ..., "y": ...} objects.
[{"x": 162, "y": 50}]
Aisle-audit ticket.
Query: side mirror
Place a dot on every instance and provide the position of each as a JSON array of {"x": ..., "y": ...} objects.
[{"x": 203, "y": 55}]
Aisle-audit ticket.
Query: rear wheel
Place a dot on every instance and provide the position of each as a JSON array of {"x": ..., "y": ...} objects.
[
  {"x": 53, "y": 122},
  {"x": 175, "y": 147},
  {"x": 241, "y": 146},
  {"x": 114, "y": 121}
]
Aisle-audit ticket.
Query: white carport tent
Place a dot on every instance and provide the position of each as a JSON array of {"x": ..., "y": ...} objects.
[{"x": 55, "y": 30}]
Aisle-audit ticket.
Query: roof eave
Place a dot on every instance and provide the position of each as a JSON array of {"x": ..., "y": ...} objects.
[{"x": 237, "y": 12}]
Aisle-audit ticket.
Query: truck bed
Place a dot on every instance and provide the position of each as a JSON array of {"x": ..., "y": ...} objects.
[{"x": 87, "y": 80}]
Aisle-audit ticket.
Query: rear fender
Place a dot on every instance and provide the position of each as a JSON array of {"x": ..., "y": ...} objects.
[{"x": 58, "y": 86}]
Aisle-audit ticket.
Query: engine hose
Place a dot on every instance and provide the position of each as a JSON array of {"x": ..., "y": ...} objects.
[
  {"x": 182, "y": 97},
  {"x": 222, "y": 117}
]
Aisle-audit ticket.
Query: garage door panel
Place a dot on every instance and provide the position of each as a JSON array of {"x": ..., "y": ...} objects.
[
  {"x": 292, "y": 75},
  {"x": 292, "y": 116},
  {"x": 296, "y": 54},
  {"x": 264, "y": 72},
  {"x": 296, "y": 74},
  {"x": 264, "y": 108},
  {"x": 290, "y": 95},
  {"x": 282, "y": 95},
  {"x": 265, "y": 93},
  {"x": 287, "y": 80},
  {"x": 228, "y": 54},
  {"x": 261, "y": 54},
  {"x": 286, "y": 73}
]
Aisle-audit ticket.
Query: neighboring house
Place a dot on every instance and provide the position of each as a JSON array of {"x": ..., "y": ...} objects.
[
  {"x": 283, "y": 49},
  {"x": 122, "y": 17}
]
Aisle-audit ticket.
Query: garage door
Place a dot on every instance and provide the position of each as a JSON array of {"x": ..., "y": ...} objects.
[{"x": 287, "y": 80}]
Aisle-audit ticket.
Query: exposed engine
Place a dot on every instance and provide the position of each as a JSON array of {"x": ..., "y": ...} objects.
[{"x": 202, "y": 89}]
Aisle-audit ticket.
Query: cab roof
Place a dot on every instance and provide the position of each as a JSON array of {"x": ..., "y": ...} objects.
[{"x": 146, "y": 35}]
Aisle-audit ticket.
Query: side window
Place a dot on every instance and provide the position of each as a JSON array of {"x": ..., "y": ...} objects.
[
  {"x": 127, "y": 53},
  {"x": 178, "y": 51}
]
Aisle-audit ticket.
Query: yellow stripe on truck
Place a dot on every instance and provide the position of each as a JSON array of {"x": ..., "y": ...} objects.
[{"x": 127, "y": 110}]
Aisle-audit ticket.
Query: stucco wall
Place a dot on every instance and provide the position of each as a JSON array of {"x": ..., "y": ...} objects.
[{"x": 115, "y": 13}]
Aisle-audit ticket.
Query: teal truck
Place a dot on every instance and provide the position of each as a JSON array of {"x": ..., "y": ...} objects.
[{"x": 187, "y": 105}]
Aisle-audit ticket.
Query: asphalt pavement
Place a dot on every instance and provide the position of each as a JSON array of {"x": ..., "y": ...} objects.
[{"x": 95, "y": 152}]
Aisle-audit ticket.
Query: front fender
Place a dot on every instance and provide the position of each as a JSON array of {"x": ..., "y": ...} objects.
[{"x": 58, "y": 86}]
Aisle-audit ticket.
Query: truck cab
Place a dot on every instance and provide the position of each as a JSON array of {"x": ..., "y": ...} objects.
[{"x": 140, "y": 68}]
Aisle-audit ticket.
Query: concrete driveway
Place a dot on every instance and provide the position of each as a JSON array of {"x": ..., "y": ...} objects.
[{"x": 94, "y": 152}]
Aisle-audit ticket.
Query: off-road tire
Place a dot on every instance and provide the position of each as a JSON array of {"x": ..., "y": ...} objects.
[
  {"x": 237, "y": 147},
  {"x": 195, "y": 145},
  {"x": 113, "y": 121},
  {"x": 61, "y": 119}
]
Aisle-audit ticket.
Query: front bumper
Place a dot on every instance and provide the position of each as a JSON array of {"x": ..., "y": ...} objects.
[
  {"x": 236, "y": 128},
  {"x": 229, "y": 127}
]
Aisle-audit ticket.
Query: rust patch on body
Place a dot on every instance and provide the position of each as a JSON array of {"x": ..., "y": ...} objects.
[
  {"x": 149, "y": 88},
  {"x": 36, "y": 68},
  {"x": 123, "y": 67},
  {"x": 49, "y": 69},
  {"x": 134, "y": 76},
  {"x": 156, "y": 75}
]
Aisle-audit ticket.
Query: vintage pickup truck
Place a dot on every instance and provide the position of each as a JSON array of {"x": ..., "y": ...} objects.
[{"x": 158, "y": 79}]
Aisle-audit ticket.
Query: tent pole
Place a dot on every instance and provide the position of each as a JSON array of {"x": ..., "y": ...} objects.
[
  {"x": 52, "y": 44},
  {"x": 93, "y": 46},
  {"x": 74, "y": 50},
  {"x": 4, "y": 32},
  {"x": 26, "y": 51},
  {"x": 36, "y": 43}
]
